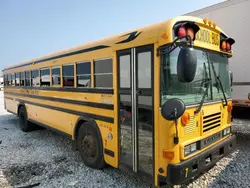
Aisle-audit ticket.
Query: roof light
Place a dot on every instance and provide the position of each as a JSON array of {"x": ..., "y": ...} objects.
[
  {"x": 209, "y": 22},
  {"x": 205, "y": 20}
]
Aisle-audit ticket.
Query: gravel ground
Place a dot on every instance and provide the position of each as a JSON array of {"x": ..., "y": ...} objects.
[{"x": 44, "y": 159}]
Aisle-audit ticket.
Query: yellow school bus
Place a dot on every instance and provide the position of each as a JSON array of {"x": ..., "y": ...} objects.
[{"x": 155, "y": 101}]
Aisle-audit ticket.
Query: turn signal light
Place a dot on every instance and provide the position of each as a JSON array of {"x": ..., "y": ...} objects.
[
  {"x": 229, "y": 107},
  {"x": 168, "y": 154},
  {"x": 185, "y": 118}
]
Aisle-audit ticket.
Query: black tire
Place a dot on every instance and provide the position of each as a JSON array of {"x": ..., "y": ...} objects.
[
  {"x": 24, "y": 124},
  {"x": 89, "y": 144}
]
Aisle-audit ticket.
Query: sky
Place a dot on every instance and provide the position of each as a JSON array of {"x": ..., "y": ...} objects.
[{"x": 33, "y": 28}]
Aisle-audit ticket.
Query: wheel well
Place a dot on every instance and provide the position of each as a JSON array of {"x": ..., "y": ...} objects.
[
  {"x": 77, "y": 127},
  {"x": 20, "y": 105}
]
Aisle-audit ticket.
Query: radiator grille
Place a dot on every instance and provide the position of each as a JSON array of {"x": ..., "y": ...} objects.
[
  {"x": 190, "y": 127},
  {"x": 211, "y": 121}
]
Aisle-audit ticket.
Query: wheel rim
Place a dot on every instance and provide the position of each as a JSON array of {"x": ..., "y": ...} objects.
[{"x": 89, "y": 146}]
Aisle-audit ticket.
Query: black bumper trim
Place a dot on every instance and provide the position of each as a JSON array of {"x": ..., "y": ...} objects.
[{"x": 179, "y": 173}]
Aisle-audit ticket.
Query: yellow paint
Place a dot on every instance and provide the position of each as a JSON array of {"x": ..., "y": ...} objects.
[{"x": 158, "y": 34}]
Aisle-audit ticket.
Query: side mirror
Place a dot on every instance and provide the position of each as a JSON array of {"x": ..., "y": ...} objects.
[
  {"x": 173, "y": 109},
  {"x": 186, "y": 64},
  {"x": 231, "y": 78}
]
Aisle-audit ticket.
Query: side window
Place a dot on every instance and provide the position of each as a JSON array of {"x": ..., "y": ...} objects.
[
  {"x": 103, "y": 73},
  {"x": 4, "y": 79},
  {"x": 9, "y": 80},
  {"x": 56, "y": 76},
  {"x": 17, "y": 79},
  {"x": 27, "y": 78},
  {"x": 83, "y": 74},
  {"x": 13, "y": 79},
  {"x": 45, "y": 77},
  {"x": 22, "y": 78},
  {"x": 68, "y": 75},
  {"x": 35, "y": 82}
]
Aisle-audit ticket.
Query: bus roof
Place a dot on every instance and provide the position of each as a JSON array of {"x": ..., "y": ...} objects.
[{"x": 109, "y": 41}]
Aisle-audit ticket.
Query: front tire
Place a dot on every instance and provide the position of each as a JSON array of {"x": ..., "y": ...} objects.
[
  {"x": 24, "y": 124},
  {"x": 90, "y": 145}
]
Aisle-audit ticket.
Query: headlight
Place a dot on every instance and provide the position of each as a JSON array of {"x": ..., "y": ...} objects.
[
  {"x": 187, "y": 150},
  {"x": 191, "y": 148},
  {"x": 226, "y": 131}
]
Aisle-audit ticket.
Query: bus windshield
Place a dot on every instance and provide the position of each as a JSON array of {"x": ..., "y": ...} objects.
[{"x": 192, "y": 93}]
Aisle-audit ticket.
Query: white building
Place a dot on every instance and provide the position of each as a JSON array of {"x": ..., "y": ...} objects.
[{"x": 233, "y": 16}]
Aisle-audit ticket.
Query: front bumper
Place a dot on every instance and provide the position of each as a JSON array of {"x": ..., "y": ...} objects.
[{"x": 179, "y": 173}]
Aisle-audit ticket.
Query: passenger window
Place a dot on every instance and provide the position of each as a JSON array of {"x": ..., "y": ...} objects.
[
  {"x": 13, "y": 79},
  {"x": 5, "y": 79},
  {"x": 27, "y": 78},
  {"x": 56, "y": 76},
  {"x": 68, "y": 75},
  {"x": 103, "y": 73},
  {"x": 83, "y": 74},
  {"x": 9, "y": 80},
  {"x": 45, "y": 77},
  {"x": 17, "y": 79},
  {"x": 22, "y": 78},
  {"x": 35, "y": 82}
]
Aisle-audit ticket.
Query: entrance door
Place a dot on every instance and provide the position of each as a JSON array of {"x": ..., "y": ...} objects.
[{"x": 136, "y": 127}]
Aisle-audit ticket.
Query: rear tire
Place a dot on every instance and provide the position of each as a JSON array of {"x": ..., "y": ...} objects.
[
  {"x": 89, "y": 144},
  {"x": 24, "y": 124}
]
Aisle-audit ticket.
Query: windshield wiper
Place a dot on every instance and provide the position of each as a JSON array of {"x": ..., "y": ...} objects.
[
  {"x": 206, "y": 83},
  {"x": 220, "y": 84}
]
